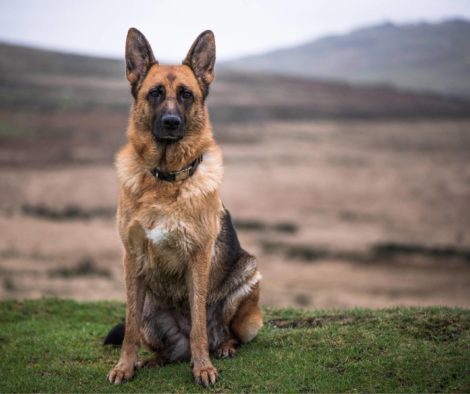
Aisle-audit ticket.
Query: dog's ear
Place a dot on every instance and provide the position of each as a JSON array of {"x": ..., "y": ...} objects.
[
  {"x": 139, "y": 57},
  {"x": 201, "y": 59}
]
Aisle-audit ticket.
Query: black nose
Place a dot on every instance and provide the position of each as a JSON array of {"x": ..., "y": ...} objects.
[{"x": 171, "y": 122}]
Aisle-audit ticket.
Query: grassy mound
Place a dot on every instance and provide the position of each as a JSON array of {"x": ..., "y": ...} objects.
[{"x": 54, "y": 345}]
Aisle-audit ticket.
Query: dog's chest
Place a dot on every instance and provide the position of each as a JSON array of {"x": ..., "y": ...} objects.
[
  {"x": 158, "y": 234},
  {"x": 170, "y": 232},
  {"x": 170, "y": 240}
]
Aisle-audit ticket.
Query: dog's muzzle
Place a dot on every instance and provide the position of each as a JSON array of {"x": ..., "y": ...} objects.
[{"x": 169, "y": 128}]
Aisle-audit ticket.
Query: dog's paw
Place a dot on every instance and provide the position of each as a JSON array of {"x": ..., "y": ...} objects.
[
  {"x": 205, "y": 375},
  {"x": 120, "y": 374},
  {"x": 226, "y": 349}
]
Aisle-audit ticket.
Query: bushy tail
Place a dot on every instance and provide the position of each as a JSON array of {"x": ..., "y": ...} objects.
[{"x": 116, "y": 336}]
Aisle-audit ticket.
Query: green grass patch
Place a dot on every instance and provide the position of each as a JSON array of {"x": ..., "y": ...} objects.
[
  {"x": 52, "y": 345},
  {"x": 11, "y": 130}
]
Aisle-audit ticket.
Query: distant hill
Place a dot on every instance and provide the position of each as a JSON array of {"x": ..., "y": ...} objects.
[
  {"x": 428, "y": 57},
  {"x": 39, "y": 80},
  {"x": 58, "y": 107}
]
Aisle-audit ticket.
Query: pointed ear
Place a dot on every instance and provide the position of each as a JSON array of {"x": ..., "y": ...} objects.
[
  {"x": 201, "y": 59},
  {"x": 139, "y": 57}
]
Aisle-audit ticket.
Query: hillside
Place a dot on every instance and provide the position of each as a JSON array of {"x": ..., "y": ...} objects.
[
  {"x": 36, "y": 80},
  {"x": 423, "y": 56},
  {"x": 55, "y": 346},
  {"x": 57, "y": 107}
]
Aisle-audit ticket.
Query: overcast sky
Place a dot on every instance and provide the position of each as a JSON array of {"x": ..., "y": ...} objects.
[{"x": 242, "y": 27}]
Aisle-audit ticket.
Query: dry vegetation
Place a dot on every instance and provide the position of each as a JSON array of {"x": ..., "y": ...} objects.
[{"x": 348, "y": 196}]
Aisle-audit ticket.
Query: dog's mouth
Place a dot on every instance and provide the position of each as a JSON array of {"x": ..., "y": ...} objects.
[{"x": 168, "y": 139}]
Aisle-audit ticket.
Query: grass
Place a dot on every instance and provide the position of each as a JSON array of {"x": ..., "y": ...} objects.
[
  {"x": 13, "y": 131},
  {"x": 52, "y": 345}
]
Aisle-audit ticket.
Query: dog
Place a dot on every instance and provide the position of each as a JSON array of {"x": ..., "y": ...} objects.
[{"x": 191, "y": 289}]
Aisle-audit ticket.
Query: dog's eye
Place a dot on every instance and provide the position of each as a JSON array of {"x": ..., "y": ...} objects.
[
  {"x": 157, "y": 92},
  {"x": 186, "y": 94}
]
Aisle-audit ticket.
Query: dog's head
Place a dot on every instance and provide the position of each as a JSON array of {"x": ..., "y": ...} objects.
[{"x": 169, "y": 100}]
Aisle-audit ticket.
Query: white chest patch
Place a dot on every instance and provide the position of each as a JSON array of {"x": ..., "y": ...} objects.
[{"x": 157, "y": 234}]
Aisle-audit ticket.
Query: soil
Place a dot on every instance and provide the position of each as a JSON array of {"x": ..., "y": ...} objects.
[{"x": 340, "y": 214}]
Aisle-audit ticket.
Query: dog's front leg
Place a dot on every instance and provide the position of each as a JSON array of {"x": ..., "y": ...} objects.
[
  {"x": 198, "y": 282},
  {"x": 124, "y": 369}
]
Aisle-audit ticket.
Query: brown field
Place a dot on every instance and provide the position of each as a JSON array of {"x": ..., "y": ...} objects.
[
  {"x": 348, "y": 196},
  {"x": 339, "y": 214}
]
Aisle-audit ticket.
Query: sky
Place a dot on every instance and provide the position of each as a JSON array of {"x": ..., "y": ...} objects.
[{"x": 241, "y": 27}]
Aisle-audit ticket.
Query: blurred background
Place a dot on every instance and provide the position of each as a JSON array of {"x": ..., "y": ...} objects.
[{"x": 345, "y": 128}]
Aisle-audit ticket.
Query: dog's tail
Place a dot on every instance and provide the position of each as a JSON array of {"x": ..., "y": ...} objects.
[{"x": 116, "y": 336}]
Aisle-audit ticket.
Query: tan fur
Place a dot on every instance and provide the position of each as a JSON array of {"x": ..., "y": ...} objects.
[
  {"x": 183, "y": 217},
  {"x": 247, "y": 320}
]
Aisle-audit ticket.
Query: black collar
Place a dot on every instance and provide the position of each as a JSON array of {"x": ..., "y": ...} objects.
[{"x": 180, "y": 175}]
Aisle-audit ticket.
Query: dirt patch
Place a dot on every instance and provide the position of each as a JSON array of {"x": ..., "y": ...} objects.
[
  {"x": 258, "y": 225},
  {"x": 296, "y": 252},
  {"x": 378, "y": 253},
  {"x": 393, "y": 251},
  {"x": 86, "y": 266},
  {"x": 318, "y": 321},
  {"x": 69, "y": 212}
]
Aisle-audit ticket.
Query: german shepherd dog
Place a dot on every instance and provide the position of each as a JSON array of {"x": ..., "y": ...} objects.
[{"x": 191, "y": 289}]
